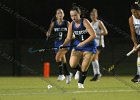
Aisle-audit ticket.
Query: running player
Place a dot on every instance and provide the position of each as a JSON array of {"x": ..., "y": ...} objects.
[
  {"x": 86, "y": 45},
  {"x": 134, "y": 23},
  {"x": 101, "y": 31},
  {"x": 59, "y": 29}
]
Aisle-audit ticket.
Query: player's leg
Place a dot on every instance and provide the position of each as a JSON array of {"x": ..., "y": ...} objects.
[
  {"x": 75, "y": 56},
  {"x": 138, "y": 63},
  {"x": 59, "y": 61},
  {"x": 75, "y": 59},
  {"x": 65, "y": 66},
  {"x": 87, "y": 58},
  {"x": 66, "y": 70},
  {"x": 96, "y": 67},
  {"x": 137, "y": 77}
]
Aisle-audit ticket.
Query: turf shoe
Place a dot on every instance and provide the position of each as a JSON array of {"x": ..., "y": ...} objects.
[
  {"x": 80, "y": 85},
  {"x": 60, "y": 78},
  {"x": 76, "y": 77},
  {"x": 96, "y": 77},
  {"x": 68, "y": 78},
  {"x": 136, "y": 79}
]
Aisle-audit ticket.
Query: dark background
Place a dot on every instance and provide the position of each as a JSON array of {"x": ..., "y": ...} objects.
[{"x": 17, "y": 35}]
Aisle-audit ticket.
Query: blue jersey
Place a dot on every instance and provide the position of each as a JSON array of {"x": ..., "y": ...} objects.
[
  {"x": 81, "y": 34},
  {"x": 60, "y": 31}
]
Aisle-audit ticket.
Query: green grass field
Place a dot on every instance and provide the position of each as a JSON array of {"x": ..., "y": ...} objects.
[{"x": 34, "y": 88}]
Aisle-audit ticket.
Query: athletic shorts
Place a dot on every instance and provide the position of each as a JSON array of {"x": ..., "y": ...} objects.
[
  {"x": 57, "y": 44},
  {"x": 89, "y": 47}
]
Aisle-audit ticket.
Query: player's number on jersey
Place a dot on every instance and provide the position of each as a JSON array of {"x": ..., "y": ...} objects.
[
  {"x": 82, "y": 37},
  {"x": 60, "y": 35}
]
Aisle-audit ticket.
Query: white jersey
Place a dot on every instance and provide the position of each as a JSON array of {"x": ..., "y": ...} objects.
[
  {"x": 99, "y": 38},
  {"x": 136, "y": 23}
]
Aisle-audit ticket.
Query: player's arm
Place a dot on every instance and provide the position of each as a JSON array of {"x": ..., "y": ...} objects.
[
  {"x": 103, "y": 28},
  {"x": 90, "y": 30},
  {"x": 73, "y": 36},
  {"x": 50, "y": 29},
  {"x": 69, "y": 35},
  {"x": 132, "y": 30},
  {"x": 68, "y": 23}
]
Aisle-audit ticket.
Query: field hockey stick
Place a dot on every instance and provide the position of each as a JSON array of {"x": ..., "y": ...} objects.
[
  {"x": 123, "y": 58},
  {"x": 31, "y": 50},
  {"x": 133, "y": 50}
]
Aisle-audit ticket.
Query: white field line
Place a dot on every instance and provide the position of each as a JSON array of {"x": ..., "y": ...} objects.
[{"x": 68, "y": 92}]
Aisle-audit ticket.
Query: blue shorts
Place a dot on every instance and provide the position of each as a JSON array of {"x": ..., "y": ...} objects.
[
  {"x": 57, "y": 44},
  {"x": 89, "y": 47}
]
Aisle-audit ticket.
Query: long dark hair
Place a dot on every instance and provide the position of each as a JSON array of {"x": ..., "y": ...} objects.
[
  {"x": 75, "y": 8},
  {"x": 136, "y": 5}
]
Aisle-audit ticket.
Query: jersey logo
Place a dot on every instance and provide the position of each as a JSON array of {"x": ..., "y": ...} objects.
[
  {"x": 80, "y": 32},
  {"x": 60, "y": 29}
]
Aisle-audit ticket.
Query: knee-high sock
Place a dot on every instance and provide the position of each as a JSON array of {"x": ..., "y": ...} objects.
[
  {"x": 65, "y": 68},
  {"x": 78, "y": 67},
  {"x": 93, "y": 66},
  {"x": 60, "y": 68},
  {"x": 138, "y": 66},
  {"x": 82, "y": 77},
  {"x": 96, "y": 68}
]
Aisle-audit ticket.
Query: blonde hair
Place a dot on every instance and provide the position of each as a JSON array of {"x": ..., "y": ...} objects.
[
  {"x": 61, "y": 10},
  {"x": 94, "y": 10}
]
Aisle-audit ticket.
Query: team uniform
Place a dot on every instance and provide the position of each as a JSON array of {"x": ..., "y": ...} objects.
[
  {"x": 136, "y": 23},
  {"x": 99, "y": 38},
  {"x": 100, "y": 45},
  {"x": 81, "y": 34},
  {"x": 60, "y": 32}
]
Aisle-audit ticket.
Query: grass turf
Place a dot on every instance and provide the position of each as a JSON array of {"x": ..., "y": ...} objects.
[{"x": 35, "y": 88}]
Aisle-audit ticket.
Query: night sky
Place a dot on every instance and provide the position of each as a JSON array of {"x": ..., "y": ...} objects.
[{"x": 115, "y": 12}]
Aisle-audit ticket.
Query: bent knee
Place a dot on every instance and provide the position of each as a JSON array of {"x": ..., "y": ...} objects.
[
  {"x": 84, "y": 69},
  {"x": 72, "y": 65},
  {"x": 57, "y": 59}
]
